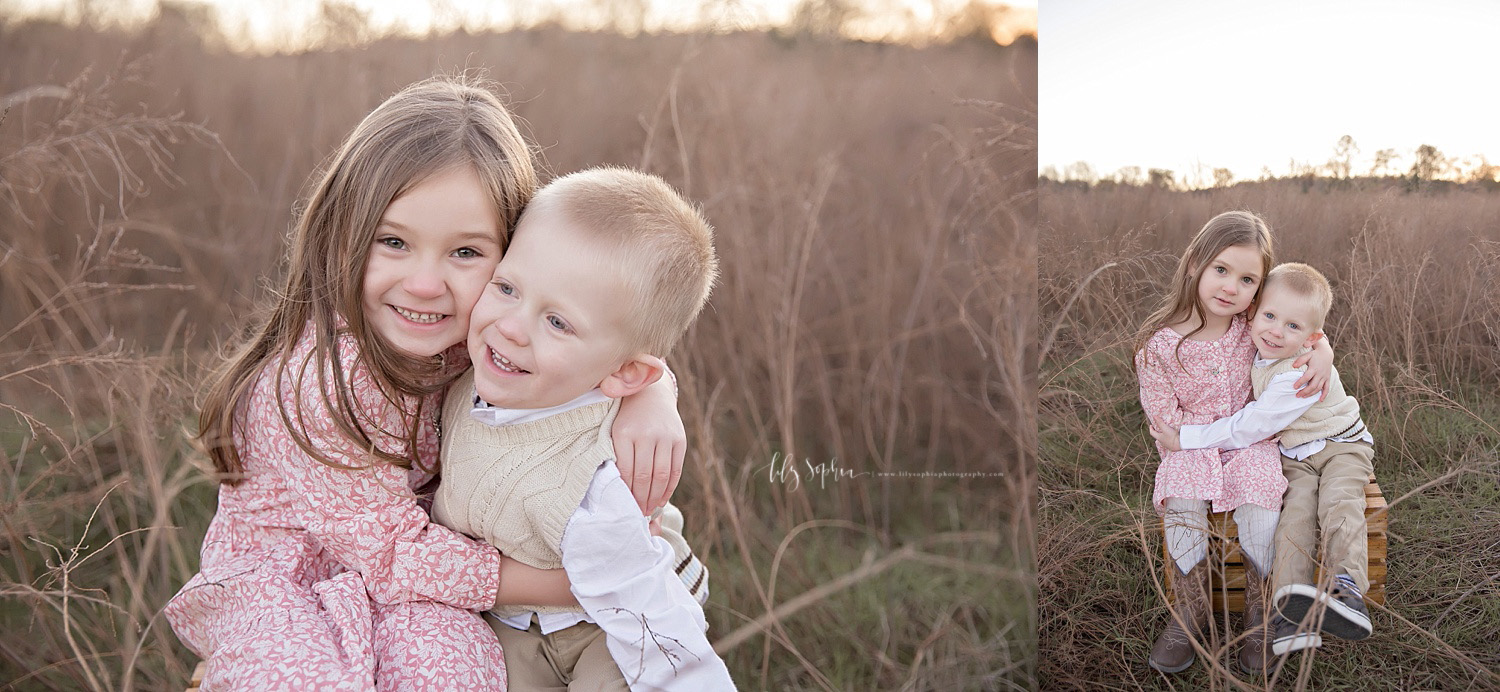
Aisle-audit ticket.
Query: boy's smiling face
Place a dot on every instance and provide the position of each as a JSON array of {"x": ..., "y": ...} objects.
[
  {"x": 1285, "y": 323},
  {"x": 553, "y": 322}
]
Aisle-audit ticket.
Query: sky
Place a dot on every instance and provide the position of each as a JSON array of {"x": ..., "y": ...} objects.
[
  {"x": 1203, "y": 84},
  {"x": 271, "y": 22}
]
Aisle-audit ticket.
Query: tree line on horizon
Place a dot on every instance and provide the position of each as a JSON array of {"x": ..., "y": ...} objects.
[
  {"x": 341, "y": 24},
  {"x": 1429, "y": 168}
]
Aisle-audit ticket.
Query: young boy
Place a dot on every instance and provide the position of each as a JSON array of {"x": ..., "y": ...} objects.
[
  {"x": 1327, "y": 454},
  {"x": 606, "y": 270}
]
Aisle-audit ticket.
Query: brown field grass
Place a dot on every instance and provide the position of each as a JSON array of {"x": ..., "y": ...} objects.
[
  {"x": 1416, "y": 329},
  {"x": 875, "y": 212}
]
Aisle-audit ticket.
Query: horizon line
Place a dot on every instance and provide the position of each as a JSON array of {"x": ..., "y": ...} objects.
[{"x": 1002, "y": 24}]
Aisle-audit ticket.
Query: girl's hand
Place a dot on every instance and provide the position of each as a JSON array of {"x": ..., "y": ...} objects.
[
  {"x": 1167, "y": 435},
  {"x": 1319, "y": 364},
  {"x": 650, "y": 443}
]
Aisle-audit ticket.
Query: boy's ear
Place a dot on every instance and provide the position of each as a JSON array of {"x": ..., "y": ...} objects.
[
  {"x": 639, "y": 372},
  {"x": 1312, "y": 339}
]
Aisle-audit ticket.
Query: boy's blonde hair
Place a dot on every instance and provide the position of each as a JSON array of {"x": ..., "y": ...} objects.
[
  {"x": 1306, "y": 282},
  {"x": 668, "y": 250}
]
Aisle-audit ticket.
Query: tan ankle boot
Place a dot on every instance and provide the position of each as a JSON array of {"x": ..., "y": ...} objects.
[
  {"x": 1255, "y": 651},
  {"x": 1173, "y": 651}
]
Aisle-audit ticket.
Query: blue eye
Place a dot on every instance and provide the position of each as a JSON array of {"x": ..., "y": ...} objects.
[
  {"x": 1221, "y": 270},
  {"x": 557, "y": 323},
  {"x": 505, "y": 287},
  {"x": 466, "y": 253},
  {"x": 391, "y": 242},
  {"x": 1293, "y": 326}
]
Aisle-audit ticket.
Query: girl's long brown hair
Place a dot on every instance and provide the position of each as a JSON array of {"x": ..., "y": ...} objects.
[
  {"x": 1224, "y": 231},
  {"x": 429, "y": 127}
]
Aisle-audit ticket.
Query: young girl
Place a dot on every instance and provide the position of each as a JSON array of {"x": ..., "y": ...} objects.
[
  {"x": 320, "y": 569},
  {"x": 1194, "y": 367}
]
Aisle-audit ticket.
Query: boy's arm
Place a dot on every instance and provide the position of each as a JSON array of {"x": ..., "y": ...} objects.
[
  {"x": 625, "y": 580},
  {"x": 1270, "y": 413}
]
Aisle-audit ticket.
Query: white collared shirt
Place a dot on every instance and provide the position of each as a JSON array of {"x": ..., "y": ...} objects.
[
  {"x": 1270, "y": 413},
  {"x": 495, "y": 416}
]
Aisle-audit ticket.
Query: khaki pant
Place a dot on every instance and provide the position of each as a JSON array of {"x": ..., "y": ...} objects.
[
  {"x": 574, "y": 658},
  {"x": 1325, "y": 491}
]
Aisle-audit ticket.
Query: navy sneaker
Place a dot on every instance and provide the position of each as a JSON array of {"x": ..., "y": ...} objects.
[
  {"x": 1344, "y": 614},
  {"x": 1288, "y": 636}
]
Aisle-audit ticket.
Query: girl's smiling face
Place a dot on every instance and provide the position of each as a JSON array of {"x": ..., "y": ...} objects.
[
  {"x": 1228, "y": 284},
  {"x": 434, "y": 250}
]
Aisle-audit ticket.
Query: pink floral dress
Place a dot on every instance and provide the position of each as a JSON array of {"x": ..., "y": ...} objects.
[
  {"x": 1205, "y": 381},
  {"x": 314, "y": 577}
]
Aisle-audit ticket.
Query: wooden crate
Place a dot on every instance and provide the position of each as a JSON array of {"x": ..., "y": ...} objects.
[{"x": 1227, "y": 571}]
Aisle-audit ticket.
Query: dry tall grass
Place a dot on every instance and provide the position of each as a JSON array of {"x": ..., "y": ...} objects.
[
  {"x": 874, "y": 208},
  {"x": 1416, "y": 328}
]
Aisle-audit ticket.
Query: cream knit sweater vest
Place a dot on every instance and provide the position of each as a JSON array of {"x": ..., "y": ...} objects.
[
  {"x": 1337, "y": 415},
  {"x": 516, "y": 486}
]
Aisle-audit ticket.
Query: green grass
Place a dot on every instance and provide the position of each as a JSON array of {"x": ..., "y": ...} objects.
[
  {"x": 83, "y": 508},
  {"x": 948, "y": 626}
]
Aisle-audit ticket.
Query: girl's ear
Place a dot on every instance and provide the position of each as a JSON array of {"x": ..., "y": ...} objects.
[{"x": 639, "y": 372}]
